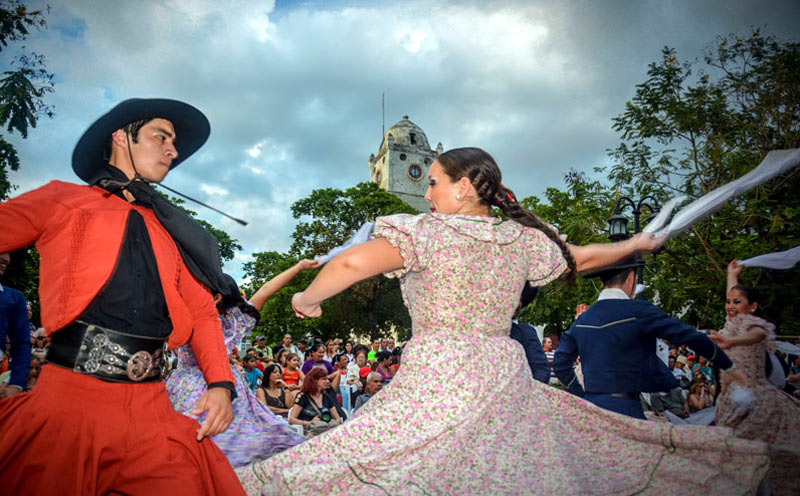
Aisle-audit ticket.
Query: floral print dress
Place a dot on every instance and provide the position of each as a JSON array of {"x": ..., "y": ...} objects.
[
  {"x": 255, "y": 433},
  {"x": 445, "y": 426},
  {"x": 774, "y": 416}
]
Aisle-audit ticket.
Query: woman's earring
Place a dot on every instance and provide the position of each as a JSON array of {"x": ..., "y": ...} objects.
[{"x": 458, "y": 197}]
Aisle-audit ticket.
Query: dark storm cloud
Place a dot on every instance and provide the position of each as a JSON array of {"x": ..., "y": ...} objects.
[{"x": 294, "y": 92}]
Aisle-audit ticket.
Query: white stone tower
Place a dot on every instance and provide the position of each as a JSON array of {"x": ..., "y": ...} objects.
[{"x": 401, "y": 166}]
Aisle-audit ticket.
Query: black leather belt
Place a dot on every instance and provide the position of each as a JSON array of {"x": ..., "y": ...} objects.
[
  {"x": 626, "y": 396},
  {"x": 107, "y": 354}
]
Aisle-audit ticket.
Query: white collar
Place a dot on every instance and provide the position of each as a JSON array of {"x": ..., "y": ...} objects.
[{"x": 612, "y": 294}]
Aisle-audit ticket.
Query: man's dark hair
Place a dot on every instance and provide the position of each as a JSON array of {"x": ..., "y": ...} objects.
[{"x": 132, "y": 129}]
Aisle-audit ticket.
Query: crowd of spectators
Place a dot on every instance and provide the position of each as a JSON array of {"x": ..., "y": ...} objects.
[{"x": 285, "y": 378}]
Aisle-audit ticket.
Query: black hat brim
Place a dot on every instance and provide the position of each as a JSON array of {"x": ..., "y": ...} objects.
[
  {"x": 191, "y": 131},
  {"x": 609, "y": 270}
]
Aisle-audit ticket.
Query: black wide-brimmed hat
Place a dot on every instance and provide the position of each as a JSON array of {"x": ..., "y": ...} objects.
[
  {"x": 631, "y": 262},
  {"x": 191, "y": 131}
]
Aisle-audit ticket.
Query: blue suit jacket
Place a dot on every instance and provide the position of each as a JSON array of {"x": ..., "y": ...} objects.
[
  {"x": 537, "y": 360},
  {"x": 14, "y": 323},
  {"x": 616, "y": 341}
]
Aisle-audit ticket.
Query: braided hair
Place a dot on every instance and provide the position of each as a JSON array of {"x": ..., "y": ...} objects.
[{"x": 484, "y": 174}]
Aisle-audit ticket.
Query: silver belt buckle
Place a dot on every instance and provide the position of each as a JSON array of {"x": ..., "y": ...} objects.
[{"x": 101, "y": 354}]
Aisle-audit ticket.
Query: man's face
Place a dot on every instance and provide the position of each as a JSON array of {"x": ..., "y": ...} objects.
[
  {"x": 384, "y": 344},
  {"x": 287, "y": 340},
  {"x": 671, "y": 362},
  {"x": 547, "y": 344},
  {"x": 261, "y": 343},
  {"x": 376, "y": 344},
  {"x": 5, "y": 259},
  {"x": 301, "y": 346},
  {"x": 154, "y": 149},
  {"x": 391, "y": 343},
  {"x": 374, "y": 385}
]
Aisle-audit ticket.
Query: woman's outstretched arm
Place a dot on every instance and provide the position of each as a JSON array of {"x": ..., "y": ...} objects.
[
  {"x": 355, "y": 264},
  {"x": 276, "y": 283},
  {"x": 597, "y": 255}
]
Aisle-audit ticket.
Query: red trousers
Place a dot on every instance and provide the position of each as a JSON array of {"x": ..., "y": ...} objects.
[{"x": 75, "y": 435}]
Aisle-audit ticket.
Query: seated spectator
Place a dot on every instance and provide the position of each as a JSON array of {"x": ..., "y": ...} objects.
[
  {"x": 340, "y": 363},
  {"x": 374, "y": 384},
  {"x": 273, "y": 392},
  {"x": 672, "y": 401},
  {"x": 691, "y": 367},
  {"x": 292, "y": 375},
  {"x": 372, "y": 356},
  {"x": 680, "y": 372},
  {"x": 354, "y": 368},
  {"x": 252, "y": 374},
  {"x": 37, "y": 360},
  {"x": 280, "y": 358},
  {"x": 330, "y": 351},
  {"x": 384, "y": 367},
  {"x": 700, "y": 395},
  {"x": 39, "y": 342},
  {"x": 396, "y": 356},
  {"x": 794, "y": 370},
  {"x": 313, "y": 409},
  {"x": 255, "y": 353},
  {"x": 317, "y": 359},
  {"x": 705, "y": 369},
  {"x": 349, "y": 346}
]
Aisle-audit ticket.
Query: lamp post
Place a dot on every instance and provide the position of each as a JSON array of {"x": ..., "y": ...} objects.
[{"x": 618, "y": 223}]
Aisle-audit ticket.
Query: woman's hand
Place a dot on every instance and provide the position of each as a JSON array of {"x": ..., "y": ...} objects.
[
  {"x": 302, "y": 309},
  {"x": 734, "y": 269},
  {"x": 307, "y": 264},
  {"x": 648, "y": 242},
  {"x": 731, "y": 376},
  {"x": 280, "y": 383},
  {"x": 720, "y": 340}
]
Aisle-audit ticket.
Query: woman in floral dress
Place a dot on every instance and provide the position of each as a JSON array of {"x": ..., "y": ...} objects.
[
  {"x": 255, "y": 433},
  {"x": 462, "y": 272},
  {"x": 773, "y": 416}
]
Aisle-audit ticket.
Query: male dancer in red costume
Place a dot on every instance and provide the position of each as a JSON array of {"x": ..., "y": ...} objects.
[{"x": 124, "y": 275}]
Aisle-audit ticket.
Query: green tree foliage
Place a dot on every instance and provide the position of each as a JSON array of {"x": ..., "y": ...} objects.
[
  {"x": 328, "y": 218},
  {"x": 693, "y": 126},
  {"x": 579, "y": 211},
  {"x": 23, "y": 85}
]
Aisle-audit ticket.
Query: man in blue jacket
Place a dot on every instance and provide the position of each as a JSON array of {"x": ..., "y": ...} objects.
[
  {"x": 616, "y": 341},
  {"x": 14, "y": 324},
  {"x": 527, "y": 337}
]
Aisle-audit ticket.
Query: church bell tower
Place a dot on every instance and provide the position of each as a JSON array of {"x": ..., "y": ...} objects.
[{"x": 401, "y": 166}]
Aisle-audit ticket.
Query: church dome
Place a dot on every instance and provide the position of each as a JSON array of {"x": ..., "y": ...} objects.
[{"x": 406, "y": 133}]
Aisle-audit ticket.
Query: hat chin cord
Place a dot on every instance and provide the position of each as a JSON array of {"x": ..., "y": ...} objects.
[{"x": 137, "y": 176}]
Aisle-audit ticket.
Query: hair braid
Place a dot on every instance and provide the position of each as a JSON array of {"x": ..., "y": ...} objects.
[
  {"x": 514, "y": 211},
  {"x": 484, "y": 175}
]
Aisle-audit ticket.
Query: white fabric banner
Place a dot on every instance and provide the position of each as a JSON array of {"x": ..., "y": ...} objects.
[
  {"x": 776, "y": 162},
  {"x": 663, "y": 215},
  {"x": 778, "y": 260},
  {"x": 361, "y": 236}
]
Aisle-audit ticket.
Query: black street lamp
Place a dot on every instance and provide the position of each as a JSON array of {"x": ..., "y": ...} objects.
[{"x": 618, "y": 223}]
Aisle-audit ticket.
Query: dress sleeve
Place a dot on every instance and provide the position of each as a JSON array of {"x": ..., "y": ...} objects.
[
  {"x": 407, "y": 233},
  {"x": 545, "y": 260}
]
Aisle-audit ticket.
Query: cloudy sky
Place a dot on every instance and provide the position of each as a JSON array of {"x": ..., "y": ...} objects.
[{"x": 293, "y": 89}]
